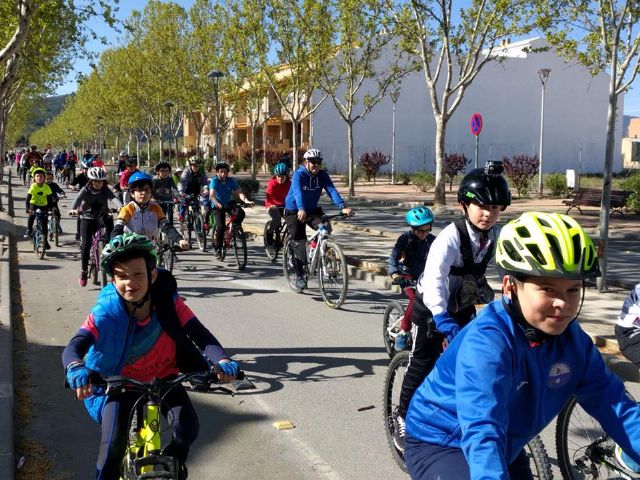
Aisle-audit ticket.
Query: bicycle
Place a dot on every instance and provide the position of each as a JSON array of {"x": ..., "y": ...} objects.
[
  {"x": 279, "y": 235},
  {"x": 37, "y": 237},
  {"x": 234, "y": 237},
  {"x": 167, "y": 256},
  {"x": 97, "y": 274},
  {"x": 391, "y": 319},
  {"x": 584, "y": 450},
  {"x": 54, "y": 225},
  {"x": 535, "y": 449},
  {"x": 143, "y": 457},
  {"x": 194, "y": 222},
  {"x": 325, "y": 259}
]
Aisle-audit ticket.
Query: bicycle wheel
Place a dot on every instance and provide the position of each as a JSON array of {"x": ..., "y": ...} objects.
[
  {"x": 584, "y": 450},
  {"x": 541, "y": 467},
  {"x": 239, "y": 247},
  {"x": 94, "y": 264},
  {"x": 391, "y": 400},
  {"x": 40, "y": 244},
  {"x": 288, "y": 268},
  {"x": 54, "y": 230},
  {"x": 269, "y": 250},
  {"x": 332, "y": 275},
  {"x": 99, "y": 270},
  {"x": 391, "y": 325},
  {"x": 201, "y": 234}
]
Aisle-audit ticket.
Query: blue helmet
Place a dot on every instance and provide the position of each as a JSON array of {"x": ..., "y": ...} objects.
[
  {"x": 280, "y": 169},
  {"x": 140, "y": 178},
  {"x": 419, "y": 216}
]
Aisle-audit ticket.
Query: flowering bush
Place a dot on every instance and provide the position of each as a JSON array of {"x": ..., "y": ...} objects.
[
  {"x": 371, "y": 164},
  {"x": 454, "y": 163},
  {"x": 521, "y": 169}
]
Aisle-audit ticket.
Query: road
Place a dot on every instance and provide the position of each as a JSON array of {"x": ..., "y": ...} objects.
[{"x": 311, "y": 365}]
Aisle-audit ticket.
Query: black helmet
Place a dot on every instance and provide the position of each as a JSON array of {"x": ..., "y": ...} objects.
[
  {"x": 131, "y": 161},
  {"x": 484, "y": 188},
  {"x": 161, "y": 165},
  {"x": 221, "y": 165}
]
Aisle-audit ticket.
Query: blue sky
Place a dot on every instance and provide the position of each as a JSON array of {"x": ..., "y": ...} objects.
[{"x": 631, "y": 101}]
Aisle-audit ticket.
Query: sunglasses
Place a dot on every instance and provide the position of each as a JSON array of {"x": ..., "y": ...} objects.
[{"x": 315, "y": 161}]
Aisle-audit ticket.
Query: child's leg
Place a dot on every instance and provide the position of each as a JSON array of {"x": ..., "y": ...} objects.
[
  {"x": 30, "y": 221},
  {"x": 405, "y": 324},
  {"x": 181, "y": 415},
  {"x": 114, "y": 435},
  {"x": 87, "y": 229}
]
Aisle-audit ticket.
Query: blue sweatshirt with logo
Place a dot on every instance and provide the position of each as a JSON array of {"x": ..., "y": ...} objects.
[
  {"x": 306, "y": 189},
  {"x": 491, "y": 392}
]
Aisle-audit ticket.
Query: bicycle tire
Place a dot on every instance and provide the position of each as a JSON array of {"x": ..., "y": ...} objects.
[
  {"x": 54, "y": 230},
  {"x": 239, "y": 247},
  {"x": 201, "y": 234},
  {"x": 99, "y": 269},
  {"x": 41, "y": 249},
  {"x": 390, "y": 402},
  {"x": 333, "y": 276},
  {"x": 391, "y": 325},
  {"x": 288, "y": 268},
  {"x": 94, "y": 265},
  {"x": 579, "y": 438},
  {"x": 537, "y": 453},
  {"x": 269, "y": 250}
]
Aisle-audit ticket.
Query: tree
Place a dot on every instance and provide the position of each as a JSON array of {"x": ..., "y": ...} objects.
[
  {"x": 453, "y": 47},
  {"x": 365, "y": 65},
  {"x": 603, "y": 36}
]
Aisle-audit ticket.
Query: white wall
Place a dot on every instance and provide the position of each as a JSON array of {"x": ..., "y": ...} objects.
[{"x": 508, "y": 95}]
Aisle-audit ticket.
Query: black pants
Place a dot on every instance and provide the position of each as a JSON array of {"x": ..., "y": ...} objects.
[
  {"x": 87, "y": 229},
  {"x": 178, "y": 410},
  {"x": 298, "y": 233},
  {"x": 220, "y": 214},
  {"x": 426, "y": 349},
  {"x": 629, "y": 342}
]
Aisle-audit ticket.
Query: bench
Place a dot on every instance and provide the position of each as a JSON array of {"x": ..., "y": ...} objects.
[{"x": 592, "y": 197}]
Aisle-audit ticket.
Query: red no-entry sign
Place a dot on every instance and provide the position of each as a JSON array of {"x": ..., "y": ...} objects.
[{"x": 476, "y": 124}]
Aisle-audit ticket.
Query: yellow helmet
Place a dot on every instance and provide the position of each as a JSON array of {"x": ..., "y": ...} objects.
[{"x": 547, "y": 245}]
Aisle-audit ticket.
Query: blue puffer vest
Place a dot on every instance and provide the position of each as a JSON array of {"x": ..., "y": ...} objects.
[{"x": 108, "y": 354}]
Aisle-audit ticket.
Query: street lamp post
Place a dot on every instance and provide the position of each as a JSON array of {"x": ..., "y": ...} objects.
[
  {"x": 168, "y": 105},
  {"x": 215, "y": 76},
  {"x": 394, "y": 99},
  {"x": 544, "y": 75}
]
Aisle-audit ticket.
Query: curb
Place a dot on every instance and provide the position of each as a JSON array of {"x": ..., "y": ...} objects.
[{"x": 7, "y": 455}]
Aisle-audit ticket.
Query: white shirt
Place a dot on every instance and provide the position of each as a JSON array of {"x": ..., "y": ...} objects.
[{"x": 630, "y": 314}]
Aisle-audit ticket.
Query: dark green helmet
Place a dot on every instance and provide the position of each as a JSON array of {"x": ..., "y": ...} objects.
[{"x": 125, "y": 243}]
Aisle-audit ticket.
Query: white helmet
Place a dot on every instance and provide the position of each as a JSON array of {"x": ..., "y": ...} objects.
[
  {"x": 97, "y": 173},
  {"x": 312, "y": 153}
]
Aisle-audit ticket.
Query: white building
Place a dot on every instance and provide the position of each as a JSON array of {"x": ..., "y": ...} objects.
[{"x": 508, "y": 96}]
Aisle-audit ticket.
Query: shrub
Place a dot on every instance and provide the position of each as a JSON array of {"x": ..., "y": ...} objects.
[
  {"x": 632, "y": 184},
  {"x": 249, "y": 187},
  {"x": 424, "y": 180},
  {"x": 521, "y": 169},
  {"x": 371, "y": 164},
  {"x": 404, "y": 178},
  {"x": 557, "y": 183},
  {"x": 454, "y": 163}
]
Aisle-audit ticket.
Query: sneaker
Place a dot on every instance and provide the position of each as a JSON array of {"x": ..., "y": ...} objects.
[
  {"x": 218, "y": 253},
  {"x": 183, "y": 473},
  {"x": 402, "y": 340},
  {"x": 27, "y": 234},
  {"x": 82, "y": 279},
  {"x": 626, "y": 461},
  {"x": 399, "y": 433},
  {"x": 300, "y": 283}
]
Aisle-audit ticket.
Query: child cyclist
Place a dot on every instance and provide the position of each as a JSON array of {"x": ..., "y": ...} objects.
[
  {"x": 92, "y": 206},
  {"x": 39, "y": 196},
  {"x": 165, "y": 191},
  {"x": 140, "y": 328},
  {"x": 458, "y": 257},
  {"x": 275, "y": 193},
  {"x": 57, "y": 193},
  {"x": 510, "y": 372},
  {"x": 144, "y": 216},
  {"x": 407, "y": 261}
]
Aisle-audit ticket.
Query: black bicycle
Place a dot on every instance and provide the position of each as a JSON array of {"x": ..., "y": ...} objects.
[
  {"x": 38, "y": 237},
  {"x": 391, "y": 399},
  {"x": 167, "y": 257},
  {"x": 392, "y": 317},
  {"x": 235, "y": 238},
  {"x": 277, "y": 242},
  {"x": 194, "y": 223}
]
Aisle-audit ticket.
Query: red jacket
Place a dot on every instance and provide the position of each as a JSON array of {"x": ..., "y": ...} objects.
[{"x": 276, "y": 192}]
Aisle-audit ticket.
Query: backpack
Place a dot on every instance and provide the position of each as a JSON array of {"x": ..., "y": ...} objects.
[{"x": 474, "y": 289}]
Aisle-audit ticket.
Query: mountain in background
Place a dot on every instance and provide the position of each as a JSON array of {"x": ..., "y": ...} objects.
[{"x": 48, "y": 108}]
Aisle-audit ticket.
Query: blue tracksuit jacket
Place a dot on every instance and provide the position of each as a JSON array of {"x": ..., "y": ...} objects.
[
  {"x": 491, "y": 392},
  {"x": 306, "y": 189}
]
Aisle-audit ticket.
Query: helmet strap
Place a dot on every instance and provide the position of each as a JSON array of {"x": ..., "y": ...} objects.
[{"x": 535, "y": 337}]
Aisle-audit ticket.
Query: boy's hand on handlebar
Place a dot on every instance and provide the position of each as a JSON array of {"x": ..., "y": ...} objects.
[
  {"x": 302, "y": 215},
  {"x": 183, "y": 244},
  {"x": 73, "y": 213},
  {"x": 78, "y": 379},
  {"x": 348, "y": 212},
  {"x": 228, "y": 370}
]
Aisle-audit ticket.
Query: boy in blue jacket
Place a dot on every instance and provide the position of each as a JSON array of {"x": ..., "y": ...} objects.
[
  {"x": 509, "y": 372},
  {"x": 139, "y": 328},
  {"x": 301, "y": 207}
]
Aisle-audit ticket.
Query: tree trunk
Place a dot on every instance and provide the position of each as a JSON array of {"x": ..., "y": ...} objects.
[
  {"x": 294, "y": 142},
  {"x": 253, "y": 151},
  {"x": 603, "y": 227},
  {"x": 439, "y": 198},
  {"x": 352, "y": 181}
]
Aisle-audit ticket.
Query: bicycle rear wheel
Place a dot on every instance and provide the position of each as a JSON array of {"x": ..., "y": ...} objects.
[
  {"x": 39, "y": 243},
  {"x": 239, "y": 247},
  {"x": 541, "y": 467},
  {"x": 391, "y": 400},
  {"x": 288, "y": 268},
  {"x": 584, "y": 450},
  {"x": 332, "y": 275},
  {"x": 269, "y": 250},
  {"x": 391, "y": 325},
  {"x": 201, "y": 234},
  {"x": 54, "y": 230}
]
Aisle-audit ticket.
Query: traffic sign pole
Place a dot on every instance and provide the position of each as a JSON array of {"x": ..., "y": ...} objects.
[
  {"x": 475, "y": 163},
  {"x": 476, "y": 127}
]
